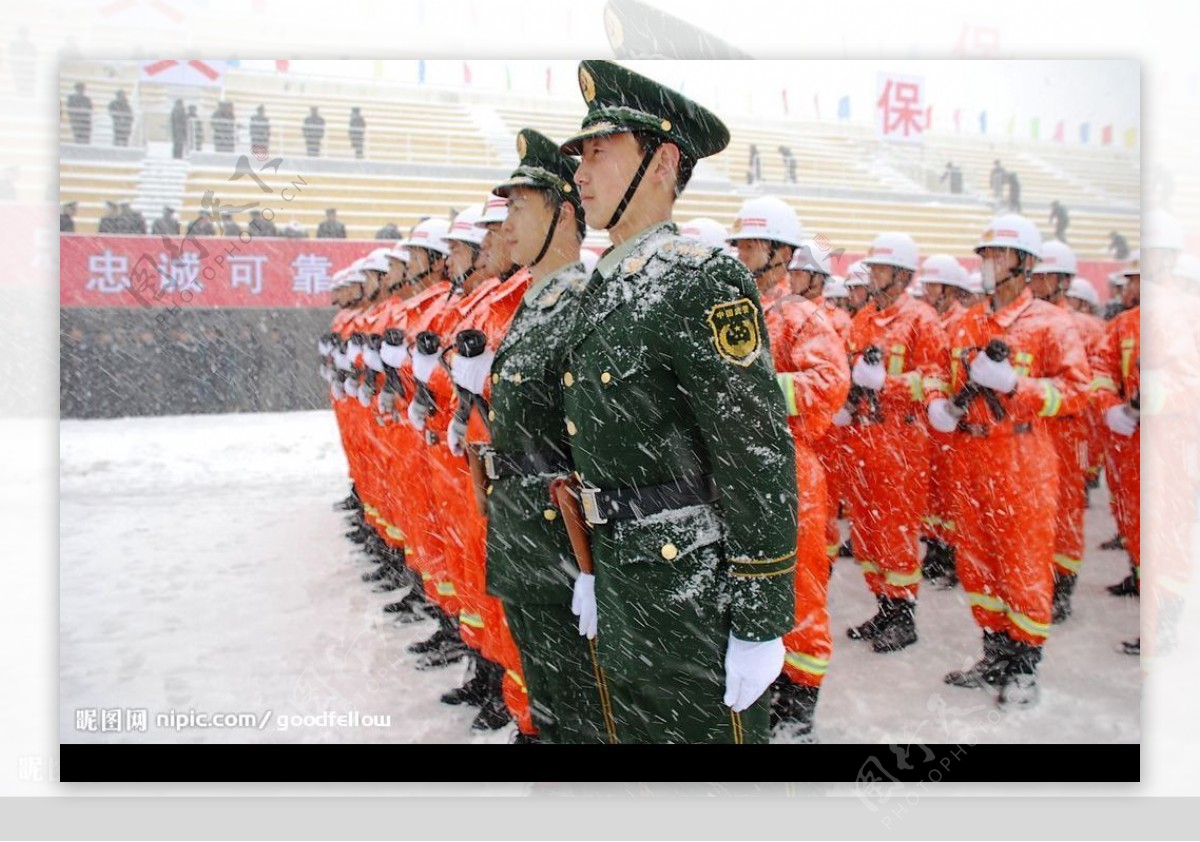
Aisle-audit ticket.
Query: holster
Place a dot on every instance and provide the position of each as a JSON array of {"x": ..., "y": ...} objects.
[
  {"x": 479, "y": 480},
  {"x": 564, "y": 493}
]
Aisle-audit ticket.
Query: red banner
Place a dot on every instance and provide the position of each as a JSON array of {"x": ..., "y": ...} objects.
[{"x": 131, "y": 271}]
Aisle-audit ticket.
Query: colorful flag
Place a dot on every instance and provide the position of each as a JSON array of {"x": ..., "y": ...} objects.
[
  {"x": 1106, "y": 135},
  {"x": 983, "y": 122},
  {"x": 1085, "y": 132},
  {"x": 1058, "y": 131},
  {"x": 1035, "y": 125},
  {"x": 844, "y": 108},
  {"x": 1130, "y": 138}
]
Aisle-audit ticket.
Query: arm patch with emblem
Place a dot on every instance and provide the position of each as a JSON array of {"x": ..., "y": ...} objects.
[{"x": 735, "y": 331}]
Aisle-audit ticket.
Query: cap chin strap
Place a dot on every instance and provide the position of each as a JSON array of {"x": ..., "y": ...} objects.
[
  {"x": 651, "y": 147},
  {"x": 770, "y": 264},
  {"x": 549, "y": 234},
  {"x": 877, "y": 294}
]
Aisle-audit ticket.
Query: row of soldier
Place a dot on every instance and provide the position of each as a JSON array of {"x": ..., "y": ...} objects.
[{"x": 481, "y": 381}]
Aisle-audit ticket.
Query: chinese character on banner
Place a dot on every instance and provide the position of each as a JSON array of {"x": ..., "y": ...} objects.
[
  {"x": 107, "y": 272},
  {"x": 246, "y": 271},
  {"x": 87, "y": 719},
  {"x": 900, "y": 108},
  {"x": 110, "y": 719},
  {"x": 311, "y": 274},
  {"x": 136, "y": 719},
  {"x": 180, "y": 274}
]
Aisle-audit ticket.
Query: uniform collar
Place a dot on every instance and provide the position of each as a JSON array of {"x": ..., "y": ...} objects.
[
  {"x": 1014, "y": 309},
  {"x": 884, "y": 317},
  {"x": 535, "y": 290},
  {"x": 775, "y": 294},
  {"x": 611, "y": 259}
]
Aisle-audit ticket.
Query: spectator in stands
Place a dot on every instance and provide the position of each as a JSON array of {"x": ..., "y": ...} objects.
[
  {"x": 295, "y": 231},
  {"x": 195, "y": 129},
  {"x": 1014, "y": 193},
  {"x": 1060, "y": 220},
  {"x": 22, "y": 60},
  {"x": 260, "y": 132},
  {"x": 66, "y": 218},
  {"x": 260, "y": 226},
  {"x": 79, "y": 114},
  {"x": 130, "y": 221},
  {"x": 166, "y": 225},
  {"x": 108, "y": 222},
  {"x": 229, "y": 227},
  {"x": 202, "y": 226},
  {"x": 754, "y": 173},
  {"x": 223, "y": 127},
  {"x": 389, "y": 232},
  {"x": 358, "y": 131},
  {"x": 331, "y": 228},
  {"x": 997, "y": 180},
  {"x": 179, "y": 128},
  {"x": 954, "y": 174},
  {"x": 1118, "y": 246},
  {"x": 121, "y": 114},
  {"x": 789, "y": 162},
  {"x": 313, "y": 131}
]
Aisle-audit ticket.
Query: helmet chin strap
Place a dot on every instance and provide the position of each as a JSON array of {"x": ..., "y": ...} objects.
[
  {"x": 876, "y": 295},
  {"x": 549, "y": 234},
  {"x": 771, "y": 263},
  {"x": 651, "y": 147}
]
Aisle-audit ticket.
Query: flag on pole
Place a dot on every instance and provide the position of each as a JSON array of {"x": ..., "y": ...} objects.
[
  {"x": 1085, "y": 132},
  {"x": 466, "y": 73},
  {"x": 844, "y": 108},
  {"x": 1058, "y": 131},
  {"x": 549, "y": 78},
  {"x": 1035, "y": 126},
  {"x": 507, "y": 77},
  {"x": 983, "y": 122},
  {"x": 817, "y": 105},
  {"x": 783, "y": 97},
  {"x": 421, "y": 72},
  {"x": 1130, "y": 138},
  {"x": 1106, "y": 135},
  {"x": 958, "y": 121},
  {"x": 282, "y": 65}
]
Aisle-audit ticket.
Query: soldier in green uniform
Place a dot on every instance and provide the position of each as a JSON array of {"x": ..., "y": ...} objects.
[
  {"x": 678, "y": 434},
  {"x": 530, "y": 566}
]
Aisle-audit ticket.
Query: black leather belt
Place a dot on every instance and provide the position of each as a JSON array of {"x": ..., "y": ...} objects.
[
  {"x": 497, "y": 465},
  {"x": 982, "y": 431},
  {"x": 600, "y": 506}
]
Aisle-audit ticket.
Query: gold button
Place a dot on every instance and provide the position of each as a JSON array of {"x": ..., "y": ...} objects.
[
  {"x": 495, "y": 378},
  {"x": 491, "y": 415},
  {"x": 568, "y": 379},
  {"x": 570, "y": 427},
  {"x": 550, "y": 514},
  {"x": 669, "y": 551},
  {"x": 605, "y": 377},
  {"x": 666, "y": 125},
  {"x": 489, "y": 488}
]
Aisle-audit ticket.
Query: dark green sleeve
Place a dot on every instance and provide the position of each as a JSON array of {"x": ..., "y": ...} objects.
[{"x": 729, "y": 380}]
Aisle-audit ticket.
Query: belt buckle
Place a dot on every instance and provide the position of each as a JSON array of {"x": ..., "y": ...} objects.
[
  {"x": 591, "y": 506},
  {"x": 489, "y": 463}
]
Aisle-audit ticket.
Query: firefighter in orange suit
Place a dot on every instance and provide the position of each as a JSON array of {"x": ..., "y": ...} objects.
[
  {"x": 810, "y": 361},
  {"x": 899, "y": 354},
  {"x": 1020, "y": 363}
]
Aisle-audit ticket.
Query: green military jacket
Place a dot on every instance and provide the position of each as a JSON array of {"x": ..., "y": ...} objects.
[
  {"x": 668, "y": 375},
  {"x": 529, "y": 557}
]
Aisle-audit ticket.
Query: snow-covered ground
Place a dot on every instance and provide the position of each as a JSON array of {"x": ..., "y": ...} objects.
[{"x": 203, "y": 570}]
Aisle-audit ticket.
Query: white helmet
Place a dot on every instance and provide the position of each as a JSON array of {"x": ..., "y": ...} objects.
[
  {"x": 376, "y": 261},
  {"x": 1082, "y": 289},
  {"x": 915, "y": 290},
  {"x": 767, "y": 218},
  {"x": 397, "y": 252},
  {"x": 589, "y": 259},
  {"x": 706, "y": 231},
  {"x": 1161, "y": 230},
  {"x": 495, "y": 209},
  {"x": 1118, "y": 279},
  {"x": 464, "y": 228},
  {"x": 974, "y": 284},
  {"x": 1057, "y": 258},
  {"x": 892, "y": 249},
  {"x": 811, "y": 257},
  {"x": 1011, "y": 230},
  {"x": 1187, "y": 267},
  {"x": 429, "y": 235},
  {"x": 942, "y": 269},
  {"x": 835, "y": 287},
  {"x": 858, "y": 275},
  {"x": 1134, "y": 266}
]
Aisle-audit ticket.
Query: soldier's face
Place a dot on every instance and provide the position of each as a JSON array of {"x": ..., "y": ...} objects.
[
  {"x": 395, "y": 276},
  {"x": 935, "y": 296},
  {"x": 1045, "y": 285},
  {"x": 1131, "y": 293},
  {"x": 606, "y": 167},
  {"x": 371, "y": 287},
  {"x": 858, "y": 297},
  {"x": 494, "y": 253},
  {"x": 461, "y": 258},
  {"x": 525, "y": 229}
]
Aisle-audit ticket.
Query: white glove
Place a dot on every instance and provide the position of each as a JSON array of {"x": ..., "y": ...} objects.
[
  {"x": 583, "y": 606},
  {"x": 943, "y": 416},
  {"x": 371, "y": 358},
  {"x": 335, "y": 389},
  {"x": 456, "y": 437},
  {"x": 393, "y": 355},
  {"x": 353, "y": 349},
  {"x": 417, "y": 413},
  {"x": 386, "y": 402},
  {"x": 423, "y": 365},
  {"x": 364, "y": 395},
  {"x": 323, "y": 347},
  {"x": 999, "y": 376},
  {"x": 750, "y": 667},
  {"x": 471, "y": 373},
  {"x": 350, "y": 387},
  {"x": 341, "y": 360},
  {"x": 868, "y": 376},
  {"x": 842, "y": 418},
  {"x": 1121, "y": 420}
]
